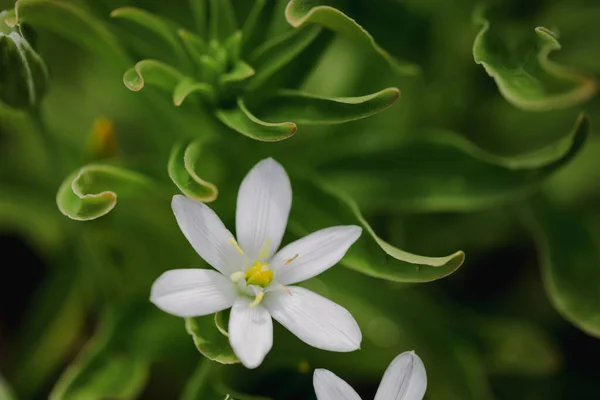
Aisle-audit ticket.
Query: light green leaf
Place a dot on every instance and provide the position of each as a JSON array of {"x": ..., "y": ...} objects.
[
  {"x": 317, "y": 206},
  {"x": 195, "y": 46},
  {"x": 243, "y": 121},
  {"x": 570, "y": 263},
  {"x": 240, "y": 72},
  {"x": 302, "y": 12},
  {"x": 154, "y": 73},
  {"x": 74, "y": 24},
  {"x": 209, "y": 340},
  {"x": 200, "y": 14},
  {"x": 220, "y": 322},
  {"x": 233, "y": 47},
  {"x": 189, "y": 86},
  {"x": 182, "y": 170},
  {"x": 303, "y": 108},
  {"x": 278, "y": 52},
  {"x": 6, "y": 392},
  {"x": 446, "y": 172},
  {"x": 527, "y": 78},
  {"x": 222, "y": 22},
  {"x": 91, "y": 191}
]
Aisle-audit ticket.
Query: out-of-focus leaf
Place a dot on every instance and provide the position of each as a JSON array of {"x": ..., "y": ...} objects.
[
  {"x": 243, "y": 121},
  {"x": 317, "y": 206},
  {"x": 182, "y": 170},
  {"x": 209, "y": 340},
  {"x": 196, "y": 46},
  {"x": 445, "y": 172},
  {"x": 220, "y": 323},
  {"x": 102, "y": 142},
  {"x": 570, "y": 263},
  {"x": 527, "y": 78},
  {"x": 278, "y": 52},
  {"x": 200, "y": 13},
  {"x": 188, "y": 86},
  {"x": 517, "y": 347},
  {"x": 252, "y": 20},
  {"x": 91, "y": 191},
  {"x": 24, "y": 77},
  {"x": 303, "y": 108},
  {"x": 153, "y": 73},
  {"x": 6, "y": 392},
  {"x": 240, "y": 71},
  {"x": 222, "y": 23},
  {"x": 73, "y": 23},
  {"x": 301, "y": 12}
]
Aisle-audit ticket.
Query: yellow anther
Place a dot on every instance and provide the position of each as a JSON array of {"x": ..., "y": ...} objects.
[
  {"x": 257, "y": 299},
  {"x": 265, "y": 249},
  {"x": 236, "y": 276},
  {"x": 289, "y": 260},
  {"x": 236, "y": 245},
  {"x": 259, "y": 274}
]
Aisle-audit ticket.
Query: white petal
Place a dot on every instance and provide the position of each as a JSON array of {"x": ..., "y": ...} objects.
[
  {"x": 207, "y": 234},
  {"x": 250, "y": 332},
  {"x": 404, "y": 379},
  {"x": 313, "y": 254},
  {"x": 314, "y": 319},
  {"x": 192, "y": 292},
  {"x": 263, "y": 206},
  {"x": 328, "y": 386}
]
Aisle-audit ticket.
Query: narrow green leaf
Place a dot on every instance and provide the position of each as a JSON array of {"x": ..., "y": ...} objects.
[
  {"x": 222, "y": 22},
  {"x": 527, "y": 78},
  {"x": 91, "y": 191},
  {"x": 317, "y": 205},
  {"x": 189, "y": 86},
  {"x": 200, "y": 13},
  {"x": 158, "y": 29},
  {"x": 74, "y": 24},
  {"x": 240, "y": 72},
  {"x": 570, "y": 263},
  {"x": 196, "y": 46},
  {"x": 182, "y": 170},
  {"x": 209, "y": 341},
  {"x": 303, "y": 108},
  {"x": 233, "y": 47},
  {"x": 251, "y": 21},
  {"x": 443, "y": 171},
  {"x": 242, "y": 121},
  {"x": 276, "y": 53},
  {"x": 302, "y": 12},
  {"x": 153, "y": 73}
]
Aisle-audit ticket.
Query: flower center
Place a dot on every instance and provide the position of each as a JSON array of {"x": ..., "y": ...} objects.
[{"x": 259, "y": 274}]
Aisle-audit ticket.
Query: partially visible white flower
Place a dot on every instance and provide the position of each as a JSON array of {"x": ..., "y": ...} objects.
[
  {"x": 404, "y": 379},
  {"x": 252, "y": 277}
]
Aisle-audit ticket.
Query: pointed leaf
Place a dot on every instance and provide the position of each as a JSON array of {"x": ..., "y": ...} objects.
[
  {"x": 443, "y": 171},
  {"x": 240, "y": 72},
  {"x": 182, "y": 170},
  {"x": 570, "y": 263},
  {"x": 317, "y": 205},
  {"x": 276, "y": 53},
  {"x": 188, "y": 86},
  {"x": 301, "y": 12},
  {"x": 528, "y": 78},
  {"x": 153, "y": 73},
  {"x": 305, "y": 108},
  {"x": 91, "y": 191},
  {"x": 200, "y": 14},
  {"x": 251, "y": 21},
  {"x": 233, "y": 47},
  {"x": 196, "y": 46},
  {"x": 209, "y": 341},
  {"x": 222, "y": 20},
  {"x": 242, "y": 121}
]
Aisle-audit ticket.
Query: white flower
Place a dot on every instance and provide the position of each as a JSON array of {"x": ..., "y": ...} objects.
[
  {"x": 404, "y": 379},
  {"x": 252, "y": 277}
]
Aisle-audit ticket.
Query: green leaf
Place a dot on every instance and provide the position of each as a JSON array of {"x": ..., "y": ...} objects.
[
  {"x": 302, "y": 12},
  {"x": 240, "y": 72},
  {"x": 195, "y": 46},
  {"x": 154, "y": 73},
  {"x": 161, "y": 32},
  {"x": 303, "y": 108},
  {"x": 209, "y": 341},
  {"x": 73, "y": 24},
  {"x": 220, "y": 322},
  {"x": 6, "y": 393},
  {"x": 91, "y": 191},
  {"x": 251, "y": 21},
  {"x": 317, "y": 206},
  {"x": 182, "y": 170},
  {"x": 200, "y": 13},
  {"x": 276, "y": 53},
  {"x": 222, "y": 22},
  {"x": 570, "y": 263},
  {"x": 443, "y": 171},
  {"x": 526, "y": 77},
  {"x": 243, "y": 121},
  {"x": 189, "y": 86}
]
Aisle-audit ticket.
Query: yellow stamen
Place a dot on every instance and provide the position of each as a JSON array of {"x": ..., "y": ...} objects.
[
  {"x": 258, "y": 299},
  {"x": 289, "y": 260},
  {"x": 265, "y": 249},
  {"x": 236, "y": 245},
  {"x": 236, "y": 276},
  {"x": 259, "y": 274}
]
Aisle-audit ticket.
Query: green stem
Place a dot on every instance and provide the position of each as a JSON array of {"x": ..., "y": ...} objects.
[
  {"x": 196, "y": 386},
  {"x": 49, "y": 143}
]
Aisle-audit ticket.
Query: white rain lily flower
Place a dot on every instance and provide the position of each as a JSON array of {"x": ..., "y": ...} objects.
[
  {"x": 252, "y": 278},
  {"x": 404, "y": 379}
]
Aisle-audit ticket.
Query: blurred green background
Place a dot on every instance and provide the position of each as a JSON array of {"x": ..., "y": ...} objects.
[{"x": 503, "y": 168}]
